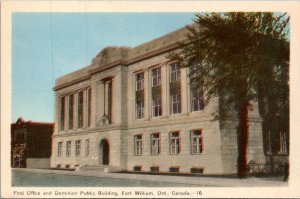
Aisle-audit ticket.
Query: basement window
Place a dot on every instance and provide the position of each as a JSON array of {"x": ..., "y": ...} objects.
[
  {"x": 154, "y": 169},
  {"x": 196, "y": 170},
  {"x": 174, "y": 169},
  {"x": 137, "y": 168}
]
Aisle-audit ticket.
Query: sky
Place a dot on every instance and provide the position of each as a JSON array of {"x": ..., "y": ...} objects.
[{"x": 46, "y": 46}]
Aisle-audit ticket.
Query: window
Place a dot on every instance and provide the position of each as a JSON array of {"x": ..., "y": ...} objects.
[
  {"x": 197, "y": 100},
  {"x": 62, "y": 113},
  {"x": 155, "y": 144},
  {"x": 154, "y": 169},
  {"x": 80, "y": 109},
  {"x": 59, "y": 149},
  {"x": 174, "y": 143},
  {"x": 139, "y": 81},
  {"x": 156, "y": 107},
  {"x": 197, "y": 141},
  {"x": 137, "y": 168},
  {"x": 176, "y": 103},
  {"x": 71, "y": 111},
  {"x": 156, "y": 77},
  {"x": 175, "y": 72},
  {"x": 89, "y": 108},
  {"x": 87, "y": 148},
  {"x": 138, "y": 144},
  {"x": 282, "y": 142},
  {"x": 139, "y": 109},
  {"x": 68, "y": 148},
  {"x": 174, "y": 169},
  {"x": 197, "y": 170},
  {"x": 77, "y": 148}
]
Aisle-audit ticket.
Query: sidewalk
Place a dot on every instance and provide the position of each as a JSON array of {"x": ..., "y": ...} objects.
[{"x": 193, "y": 180}]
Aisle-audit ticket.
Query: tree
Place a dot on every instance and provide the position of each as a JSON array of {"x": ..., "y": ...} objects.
[{"x": 238, "y": 53}]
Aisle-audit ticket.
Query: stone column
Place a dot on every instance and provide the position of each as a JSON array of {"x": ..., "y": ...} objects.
[{"x": 183, "y": 91}]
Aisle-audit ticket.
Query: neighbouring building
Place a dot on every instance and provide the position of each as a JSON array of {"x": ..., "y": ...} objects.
[
  {"x": 31, "y": 144},
  {"x": 131, "y": 109}
]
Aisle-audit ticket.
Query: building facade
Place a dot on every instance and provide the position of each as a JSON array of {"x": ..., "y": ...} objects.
[
  {"x": 31, "y": 144},
  {"x": 131, "y": 109}
]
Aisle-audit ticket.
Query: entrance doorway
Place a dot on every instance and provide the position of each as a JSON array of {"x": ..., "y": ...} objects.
[{"x": 104, "y": 152}]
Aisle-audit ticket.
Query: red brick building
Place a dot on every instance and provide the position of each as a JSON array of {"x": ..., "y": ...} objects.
[{"x": 31, "y": 144}]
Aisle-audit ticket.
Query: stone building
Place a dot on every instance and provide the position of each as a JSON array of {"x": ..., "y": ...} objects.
[
  {"x": 132, "y": 110},
  {"x": 31, "y": 144}
]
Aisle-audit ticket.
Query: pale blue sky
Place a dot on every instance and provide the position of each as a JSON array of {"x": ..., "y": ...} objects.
[{"x": 74, "y": 40}]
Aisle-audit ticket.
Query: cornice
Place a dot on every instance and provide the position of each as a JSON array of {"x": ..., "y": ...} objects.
[{"x": 124, "y": 62}]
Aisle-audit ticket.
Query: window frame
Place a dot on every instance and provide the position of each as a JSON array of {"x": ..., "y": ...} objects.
[
  {"x": 68, "y": 148},
  {"x": 156, "y": 77},
  {"x": 282, "y": 142},
  {"x": 177, "y": 143},
  {"x": 176, "y": 103},
  {"x": 80, "y": 110},
  {"x": 77, "y": 148},
  {"x": 157, "y": 146},
  {"x": 140, "y": 110},
  {"x": 139, "y": 81},
  {"x": 175, "y": 73},
  {"x": 89, "y": 106},
  {"x": 138, "y": 145},
  {"x": 71, "y": 111},
  {"x": 197, "y": 140},
  {"x": 199, "y": 99},
  {"x": 86, "y": 147},
  {"x": 62, "y": 113},
  {"x": 157, "y": 104},
  {"x": 59, "y": 149}
]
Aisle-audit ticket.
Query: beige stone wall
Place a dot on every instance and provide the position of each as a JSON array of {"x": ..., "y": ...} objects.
[
  {"x": 95, "y": 138},
  {"x": 209, "y": 160},
  {"x": 38, "y": 163}
]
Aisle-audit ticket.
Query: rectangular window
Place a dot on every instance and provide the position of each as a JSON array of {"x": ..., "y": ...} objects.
[
  {"x": 89, "y": 108},
  {"x": 197, "y": 141},
  {"x": 68, "y": 148},
  {"x": 62, "y": 113},
  {"x": 139, "y": 81},
  {"x": 156, "y": 77},
  {"x": 77, "y": 148},
  {"x": 176, "y": 103},
  {"x": 154, "y": 169},
  {"x": 175, "y": 71},
  {"x": 80, "y": 109},
  {"x": 137, "y": 168},
  {"x": 196, "y": 170},
  {"x": 59, "y": 149},
  {"x": 156, "y": 107},
  {"x": 197, "y": 99},
  {"x": 87, "y": 148},
  {"x": 140, "y": 109},
  {"x": 155, "y": 144},
  {"x": 71, "y": 111},
  {"x": 174, "y": 169},
  {"x": 138, "y": 143},
  {"x": 174, "y": 143},
  {"x": 282, "y": 142}
]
